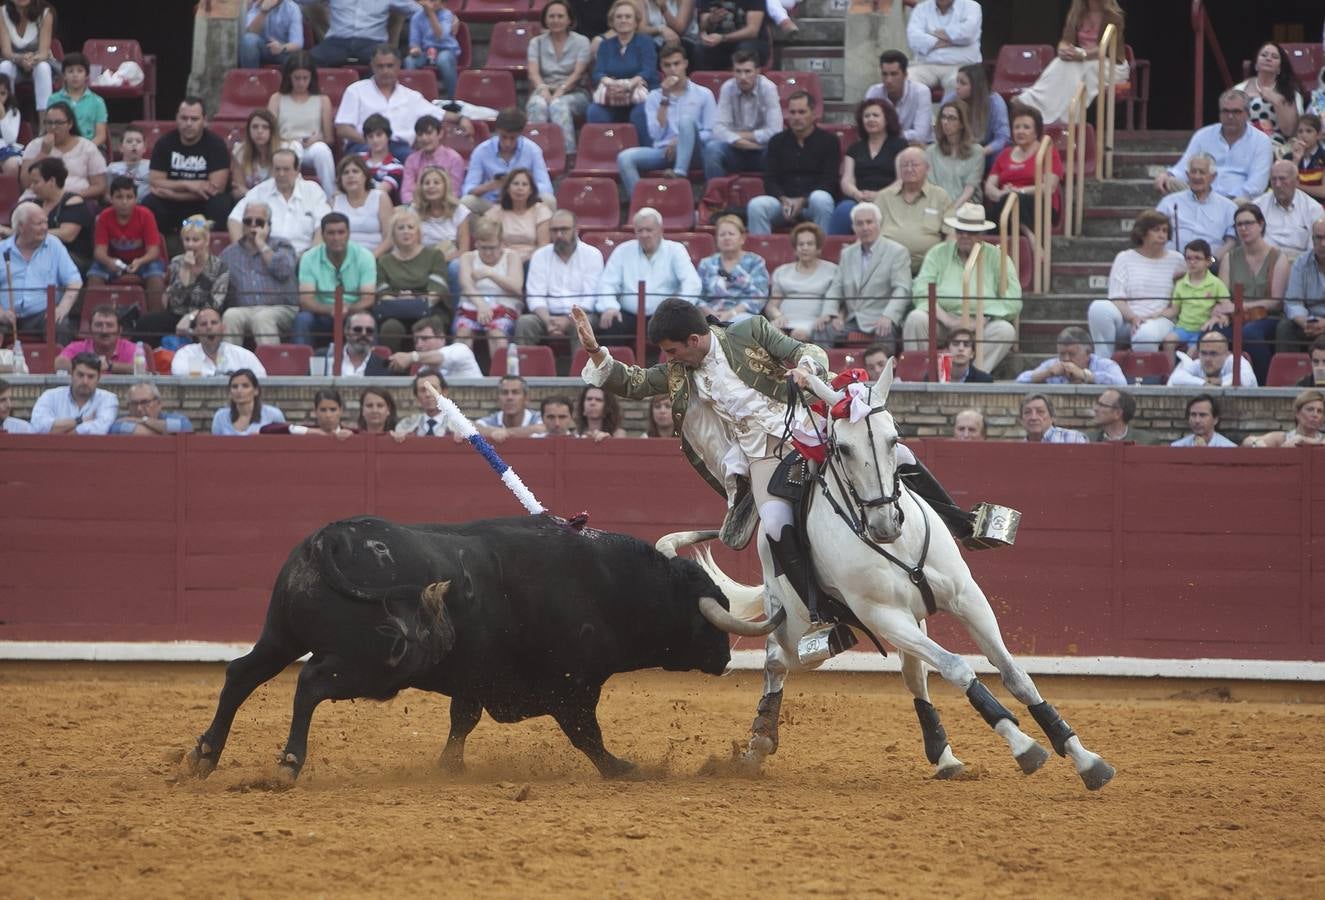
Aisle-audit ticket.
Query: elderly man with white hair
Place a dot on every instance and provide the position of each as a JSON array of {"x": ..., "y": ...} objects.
[
  {"x": 1289, "y": 211},
  {"x": 664, "y": 266},
  {"x": 873, "y": 280},
  {"x": 1199, "y": 212},
  {"x": 913, "y": 207},
  {"x": 34, "y": 260}
]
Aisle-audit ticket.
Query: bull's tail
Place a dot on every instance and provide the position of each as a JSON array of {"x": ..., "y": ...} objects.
[{"x": 746, "y": 600}]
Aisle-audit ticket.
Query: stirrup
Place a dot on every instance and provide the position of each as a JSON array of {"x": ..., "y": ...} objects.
[{"x": 824, "y": 642}]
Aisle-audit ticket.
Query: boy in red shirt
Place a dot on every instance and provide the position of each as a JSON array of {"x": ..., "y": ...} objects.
[{"x": 127, "y": 242}]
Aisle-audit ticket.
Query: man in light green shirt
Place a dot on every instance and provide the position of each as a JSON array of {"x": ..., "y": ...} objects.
[
  {"x": 336, "y": 262},
  {"x": 89, "y": 109},
  {"x": 943, "y": 267}
]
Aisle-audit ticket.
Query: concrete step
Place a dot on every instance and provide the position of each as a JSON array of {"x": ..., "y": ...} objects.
[
  {"x": 1055, "y": 307},
  {"x": 1088, "y": 249},
  {"x": 1080, "y": 277},
  {"x": 1109, "y": 221},
  {"x": 1167, "y": 141},
  {"x": 822, "y": 9},
  {"x": 1134, "y": 164},
  {"x": 1138, "y": 193},
  {"x": 827, "y": 31}
]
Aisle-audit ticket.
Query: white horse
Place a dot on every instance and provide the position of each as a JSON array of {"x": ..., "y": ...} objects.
[{"x": 860, "y": 511}]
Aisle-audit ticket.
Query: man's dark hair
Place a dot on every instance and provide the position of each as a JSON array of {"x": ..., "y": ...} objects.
[
  {"x": 4, "y": 385},
  {"x": 558, "y": 400},
  {"x": 801, "y": 95},
  {"x": 1317, "y": 344},
  {"x": 1205, "y": 398},
  {"x": 1031, "y": 398},
  {"x": 52, "y": 167},
  {"x": 1200, "y": 245},
  {"x": 745, "y": 56},
  {"x": 524, "y": 385},
  {"x": 90, "y": 360},
  {"x": 427, "y": 123},
  {"x": 376, "y": 122},
  {"x": 123, "y": 183},
  {"x": 434, "y": 322},
  {"x": 386, "y": 50},
  {"x": 669, "y": 50},
  {"x": 968, "y": 333},
  {"x": 195, "y": 100},
  {"x": 675, "y": 320},
  {"x": 334, "y": 218},
  {"x": 893, "y": 56},
  {"x": 105, "y": 309},
  {"x": 358, "y": 312},
  {"x": 510, "y": 119},
  {"x": 428, "y": 373},
  {"x": 1126, "y": 405},
  {"x": 76, "y": 59},
  {"x": 873, "y": 349},
  {"x": 135, "y": 129}
]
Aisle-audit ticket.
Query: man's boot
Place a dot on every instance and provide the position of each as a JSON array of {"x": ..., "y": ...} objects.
[
  {"x": 791, "y": 559},
  {"x": 960, "y": 522}
]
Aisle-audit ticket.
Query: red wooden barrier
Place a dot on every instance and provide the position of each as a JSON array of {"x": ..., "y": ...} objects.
[{"x": 1132, "y": 551}]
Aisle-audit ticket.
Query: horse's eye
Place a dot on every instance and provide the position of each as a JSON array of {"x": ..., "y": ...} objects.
[{"x": 843, "y": 451}]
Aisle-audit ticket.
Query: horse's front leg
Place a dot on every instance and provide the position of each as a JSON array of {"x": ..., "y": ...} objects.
[
  {"x": 764, "y": 730},
  {"x": 915, "y": 675}
]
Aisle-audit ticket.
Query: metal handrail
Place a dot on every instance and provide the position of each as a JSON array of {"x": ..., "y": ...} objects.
[
  {"x": 1074, "y": 188},
  {"x": 1203, "y": 33},
  {"x": 1042, "y": 204},
  {"x": 1106, "y": 102}
]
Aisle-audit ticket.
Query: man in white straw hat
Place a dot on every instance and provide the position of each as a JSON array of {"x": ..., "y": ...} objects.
[{"x": 944, "y": 267}]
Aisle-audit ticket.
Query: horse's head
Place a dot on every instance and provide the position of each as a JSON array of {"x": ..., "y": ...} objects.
[{"x": 862, "y": 439}]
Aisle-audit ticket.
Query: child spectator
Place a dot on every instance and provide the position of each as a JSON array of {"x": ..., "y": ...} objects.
[
  {"x": 133, "y": 144},
  {"x": 126, "y": 242},
  {"x": 432, "y": 42},
  {"x": 491, "y": 285},
  {"x": 11, "y": 151},
  {"x": 250, "y": 158},
  {"x": 387, "y": 170},
  {"x": 1308, "y": 154},
  {"x": 429, "y": 151},
  {"x": 89, "y": 108},
  {"x": 1194, "y": 298}
]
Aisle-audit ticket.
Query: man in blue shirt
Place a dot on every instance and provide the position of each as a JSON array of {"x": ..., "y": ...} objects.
[
  {"x": 674, "y": 122},
  {"x": 1242, "y": 154},
  {"x": 33, "y": 260},
  {"x": 80, "y": 408},
  {"x": 145, "y": 414},
  {"x": 273, "y": 29},
  {"x": 491, "y": 160},
  {"x": 1075, "y": 363},
  {"x": 1304, "y": 301},
  {"x": 357, "y": 26}
]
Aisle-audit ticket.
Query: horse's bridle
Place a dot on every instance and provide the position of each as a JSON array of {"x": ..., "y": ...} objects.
[{"x": 844, "y": 483}]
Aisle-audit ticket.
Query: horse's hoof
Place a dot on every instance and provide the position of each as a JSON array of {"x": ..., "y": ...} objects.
[
  {"x": 451, "y": 765},
  {"x": 761, "y": 745},
  {"x": 1098, "y": 775},
  {"x": 619, "y": 768},
  {"x": 196, "y": 765},
  {"x": 1033, "y": 759},
  {"x": 950, "y": 770}
]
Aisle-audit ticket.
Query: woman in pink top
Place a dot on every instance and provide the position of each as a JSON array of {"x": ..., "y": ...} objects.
[
  {"x": 523, "y": 216},
  {"x": 1078, "y": 59}
]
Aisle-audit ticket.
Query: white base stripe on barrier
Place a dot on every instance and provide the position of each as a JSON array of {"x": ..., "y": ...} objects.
[{"x": 856, "y": 661}]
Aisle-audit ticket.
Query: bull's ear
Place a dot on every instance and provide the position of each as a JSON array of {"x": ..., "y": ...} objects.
[{"x": 884, "y": 384}]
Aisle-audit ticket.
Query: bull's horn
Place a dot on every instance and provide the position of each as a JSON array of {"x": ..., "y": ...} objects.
[
  {"x": 670, "y": 545},
  {"x": 712, "y": 610},
  {"x": 822, "y": 390}
]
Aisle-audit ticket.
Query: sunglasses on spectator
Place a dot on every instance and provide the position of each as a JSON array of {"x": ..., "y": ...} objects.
[
  {"x": 255, "y": 223},
  {"x": 362, "y": 329}
]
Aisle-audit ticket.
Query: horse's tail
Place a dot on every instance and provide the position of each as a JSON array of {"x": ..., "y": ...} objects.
[{"x": 746, "y": 600}]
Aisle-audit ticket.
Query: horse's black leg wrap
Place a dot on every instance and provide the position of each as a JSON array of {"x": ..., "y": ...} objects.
[
  {"x": 935, "y": 737},
  {"x": 987, "y": 705},
  {"x": 1055, "y": 726}
]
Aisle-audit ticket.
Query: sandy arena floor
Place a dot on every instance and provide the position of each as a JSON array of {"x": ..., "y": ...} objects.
[{"x": 1217, "y": 793}]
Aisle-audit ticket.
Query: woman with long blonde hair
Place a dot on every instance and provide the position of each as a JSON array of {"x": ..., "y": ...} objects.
[{"x": 1078, "y": 59}]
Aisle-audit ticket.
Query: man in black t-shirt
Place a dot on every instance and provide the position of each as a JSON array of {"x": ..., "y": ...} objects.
[
  {"x": 189, "y": 172},
  {"x": 726, "y": 26}
]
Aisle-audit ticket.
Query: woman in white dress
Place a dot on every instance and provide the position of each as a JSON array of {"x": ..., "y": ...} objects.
[
  {"x": 369, "y": 210},
  {"x": 1078, "y": 59}
]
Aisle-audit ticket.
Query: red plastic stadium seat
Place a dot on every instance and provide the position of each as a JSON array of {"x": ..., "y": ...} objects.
[
  {"x": 41, "y": 357},
  {"x": 620, "y": 352},
  {"x": 1287, "y": 369},
  {"x": 1025, "y": 260},
  {"x": 245, "y": 90},
  {"x": 728, "y": 192},
  {"x": 496, "y": 11},
  {"x": 284, "y": 359},
  {"x": 536, "y": 361},
  {"x": 152, "y": 131},
  {"x": 913, "y": 365},
  {"x": 334, "y": 81},
  {"x": 115, "y": 295},
  {"x": 508, "y": 48},
  {"x": 698, "y": 243},
  {"x": 483, "y": 87},
  {"x": 597, "y": 147},
  {"x": 776, "y": 249},
  {"x": 606, "y": 241},
  {"x": 109, "y": 53},
  {"x": 711, "y": 80},
  {"x": 594, "y": 201},
  {"x": 10, "y": 190},
  {"x": 422, "y": 80},
  {"x": 229, "y": 130},
  {"x": 466, "y": 58},
  {"x": 1018, "y": 66},
  {"x": 673, "y": 199},
  {"x": 833, "y": 245},
  {"x": 789, "y": 83},
  {"x": 461, "y": 142},
  {"x": 548, "y": 136},
  {"x": 218, "y": 242},
  {"x": 1058, "y": 134},
  {"x": 1142, "y": 364},
  {"x": 846, "y": 134}
]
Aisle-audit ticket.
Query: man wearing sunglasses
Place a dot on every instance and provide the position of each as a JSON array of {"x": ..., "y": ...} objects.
[
  {"x": 263, "y": 298},
  {"x": 357, "y": 359},
  {"x": 296, "y": 206}
]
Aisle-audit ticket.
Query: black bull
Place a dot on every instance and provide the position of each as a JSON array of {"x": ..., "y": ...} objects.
[{"x": 520, "y": 617}]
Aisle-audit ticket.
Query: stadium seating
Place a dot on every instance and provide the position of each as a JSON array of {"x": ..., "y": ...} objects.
[
  {"x": 620, "y": 352},
  {"x": 913, "y": 365},
  {"x": 597, "y": 147},
  {"x": 1149, "y": 366},
  {"x": 10, "y": 190},
  {"x": 606, "y": 241},
  {"x": 776, "y": 249},
  {"x": 483, "y": 87},
  {"x": 535, "y": 362},
  {"x": 508, "y": 48},
  {"x": 116, "y": 295},
  {"x": 244, "y": 90},
  {"x": 1287, "y": 369},
  {"x": 728, "y": 192},
  {"x": 842, "y": 358},
  {"x": 789, "y": 83},
  {"x": 548, "y": 136},
  {"x": 846, "y": 134},
  {"x": 284, "y": 359},
  {"x": 833, "y": 245},
  {"x": 218, "y": 242},
  {"x": 462, "y": 142},
  {"x": 465, "y": 59},
  {"x": 422, "y": 80},
  {"x": 334, "y": 81},
  {"x": 594, "y": 201},
  {"x": 711, "y": 80},
  {"x": 229, "y": 130},
  {"x": 109, "y": 54},
  {"x": 496, "y": 11},
  {"x": 1017, "y": 67},
  {"x": 672, "y": 198},
  {"x": 1058, "y": 134},
  {"x": 41, "y": 357},
  {"x": 698, "y": 244},
  {"x": 152, "y": 131}
]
